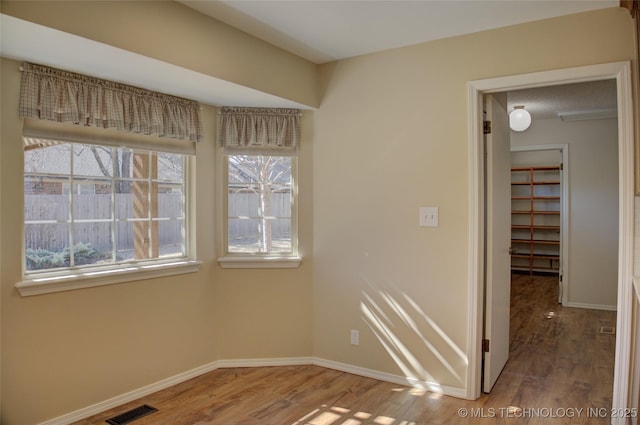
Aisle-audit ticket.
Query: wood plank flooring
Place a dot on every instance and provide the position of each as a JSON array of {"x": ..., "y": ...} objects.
[{"x": 559, "y": 363}]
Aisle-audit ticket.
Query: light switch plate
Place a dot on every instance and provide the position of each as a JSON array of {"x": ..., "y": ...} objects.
[{"x": 428, "y": 216}]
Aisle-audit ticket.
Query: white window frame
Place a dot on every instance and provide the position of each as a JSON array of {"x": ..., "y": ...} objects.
[
  {"x": 259, "y": 260},
  {"x": 64, "y": 279}
]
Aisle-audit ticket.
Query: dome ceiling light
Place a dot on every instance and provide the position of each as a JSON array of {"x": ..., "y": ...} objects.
[{"x": 519, "y": 118}]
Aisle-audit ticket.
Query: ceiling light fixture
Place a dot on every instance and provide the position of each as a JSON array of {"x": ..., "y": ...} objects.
[{"x": 519, "y": 118}]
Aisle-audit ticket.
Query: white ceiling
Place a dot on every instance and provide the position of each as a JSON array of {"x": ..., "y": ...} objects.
[
  {"x": 326, "y": 30},
  {"x": 596, "y": 99}
]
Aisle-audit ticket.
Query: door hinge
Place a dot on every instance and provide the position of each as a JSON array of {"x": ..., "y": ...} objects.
[
  {"x": 485, "y": 345},
  {"x": 486, "y": 127},
  {"x": 561, "y": 166}
]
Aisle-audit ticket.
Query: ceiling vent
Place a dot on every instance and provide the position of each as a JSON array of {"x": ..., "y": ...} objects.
[{"x": 588, "y": 114}]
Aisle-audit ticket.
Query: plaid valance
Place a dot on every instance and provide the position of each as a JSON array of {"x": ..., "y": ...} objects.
[
  {"x": 259, "y": 128},
  {"x": 56, "y": 95}
]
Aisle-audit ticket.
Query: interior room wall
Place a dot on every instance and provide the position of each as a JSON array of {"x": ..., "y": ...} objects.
[
  {"x": 593, "y": 205},
  {"x": 393, "y": 126},
  {"x": 267, "y": 313}
]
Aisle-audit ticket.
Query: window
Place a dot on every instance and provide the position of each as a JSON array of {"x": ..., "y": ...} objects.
[
  {"x": 105, "y": 179},
  {"x": 260, "y": 205},
  {"x": 260, "y": 148},
  {"x": 102, "y": 207}
]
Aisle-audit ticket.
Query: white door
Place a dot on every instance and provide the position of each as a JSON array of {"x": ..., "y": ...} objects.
[{"x": 498, "y": 240}]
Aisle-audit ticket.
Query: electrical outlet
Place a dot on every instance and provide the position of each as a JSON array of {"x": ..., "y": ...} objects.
[{"x": 355, "y": 337}]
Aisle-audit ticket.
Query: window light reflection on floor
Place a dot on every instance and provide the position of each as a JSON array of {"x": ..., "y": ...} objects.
[
  {"x": 335, "y": 415},
  {"x": 384, "y": 420}
]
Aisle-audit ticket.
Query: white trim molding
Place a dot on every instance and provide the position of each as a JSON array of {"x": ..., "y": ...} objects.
[
  {"x": 389, "y": 377},
  {"x": 591, "y": 306},
  {"x": 621, "y": 72},
  {"x": 44, "y": 283},
  {"x": 259, "y": 262},
  {"x": 280, "y": 361}
]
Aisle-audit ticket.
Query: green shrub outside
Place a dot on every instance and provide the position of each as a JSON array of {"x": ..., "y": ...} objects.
[{"x": 39, "y": 259}]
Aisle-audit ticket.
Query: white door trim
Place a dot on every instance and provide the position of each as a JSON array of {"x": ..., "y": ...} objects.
[
  {"x": 621, "y": 72},
  {"x": 564, "y": 207}
]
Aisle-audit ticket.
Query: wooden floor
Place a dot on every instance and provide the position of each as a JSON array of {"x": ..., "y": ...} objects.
[{"x": 559, "y": 363}]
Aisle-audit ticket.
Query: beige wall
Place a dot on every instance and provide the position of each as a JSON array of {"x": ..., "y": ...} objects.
[
  {"x": 265, "y": 313},
  {"x": 393, "y": 126},
  {"x": 592, "y": 272},
  {"x": 176, "y": 34}
]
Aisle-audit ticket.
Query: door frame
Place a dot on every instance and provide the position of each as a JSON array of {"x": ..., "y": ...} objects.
[
  {"x": 564, "y": 208},
  {"x": 621, "y": 72}
]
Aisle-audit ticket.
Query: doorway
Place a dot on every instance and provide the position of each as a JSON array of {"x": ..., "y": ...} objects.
[
  {"x": 621, "y": 72},
  {"x": 547, "y": 165}
]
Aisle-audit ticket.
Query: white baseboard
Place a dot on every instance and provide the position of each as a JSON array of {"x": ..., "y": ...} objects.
[
  {"x": 395, "y": 379},
  {"x": 591, "y": 306},
  {"x": 219, "y": 364},
  {"x": 281, "y": 361}
]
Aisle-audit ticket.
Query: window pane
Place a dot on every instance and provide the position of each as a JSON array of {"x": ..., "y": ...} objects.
[
  {"x": 259, "y": 204},
  {"x": 280, "y": 169},
  {"x": 171, "y": 237},
  {"x": 243, "y": 235},
  {"x": 170, "y": 167},
  {"x": 135, "y": 202},
  {"x": 124, "y": 241},
  {"x": 279, "y": 203},
  {"x": 49, "y": 236},
  {"x": 92, "y": 160},
  {"x": 243, "y": 169},
  {"x": 45, "y": 245},
  {"x": 170, "y": 201},
  {"x": 130, "y": 164},
  {"x": 44, "y": 198},
  {"x": 243, "y": 202},
  {"x": 281, "y": 235},
  {"x": 54, "y": 159},
  {"x": 92, "y": 199},
  {"x": 92, "y": 243},
  {"x": 109, "y": 196}
]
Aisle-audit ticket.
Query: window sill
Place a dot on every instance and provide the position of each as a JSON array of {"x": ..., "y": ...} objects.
[
  {"x": 86, "y": 278},
  {"x": 259, "y": 262}
]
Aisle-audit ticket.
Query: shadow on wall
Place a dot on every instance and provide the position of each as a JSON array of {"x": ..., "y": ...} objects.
[{"x": 412, "y": 339}]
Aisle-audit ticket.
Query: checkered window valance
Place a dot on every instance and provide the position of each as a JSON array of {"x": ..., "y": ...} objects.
[
  {"x": 61, "y": 96},
  {"x": 259, "y": 128}
]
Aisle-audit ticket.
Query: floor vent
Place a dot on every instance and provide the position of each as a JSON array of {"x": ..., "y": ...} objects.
[
  {"x": 610, "y": 330},
  {"x": 132, "y": 415}
]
